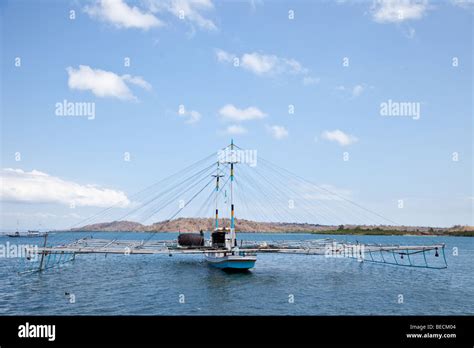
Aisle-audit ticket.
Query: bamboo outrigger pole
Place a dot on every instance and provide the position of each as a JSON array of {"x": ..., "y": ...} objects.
[{"x": 43, "y": 253}]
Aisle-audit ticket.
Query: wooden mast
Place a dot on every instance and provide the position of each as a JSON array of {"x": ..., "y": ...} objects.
[
  {"x": 232, "y": 222},
  {"x": 217, "y": 176}
]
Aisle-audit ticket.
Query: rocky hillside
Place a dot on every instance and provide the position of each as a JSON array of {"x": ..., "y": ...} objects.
[
  {"x": 207, "y": 224},
  {"x": 114, "y": 226},
  {"x": 196, "y": 224}
]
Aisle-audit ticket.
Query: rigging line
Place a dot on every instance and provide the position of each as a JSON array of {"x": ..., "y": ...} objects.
[
  {"x": 205, "y": 204},
  {"x": 280, "y": 199},
  {"x": 222, "y": 187},
  {"x": 239, "y": 204},
  {"x": 246, "y": 179},
  {"x": 321, "y": 204},
  {"x": 323, "y": 189},
  {"x": 221, "y": 194},
  {"x": 167, "y": 191},
  {"x": 213, "y": 193},
  {"x": 258, "y": 191},
  {"x": 179, "y": 211},
  {"x": 333, "y": 217},
  {"x": 153, "y": 211},
  {"x": 328, "y": 191},
  {"x": 283, "y": 190},
  {"x": 307, "y": 207},
  {"x": 170, "y": 195},
  {"x": 339, "y": 200},
  {"x": 269, "y": 196},
  {"x": 145, "y": 189},
  {"x": 244, "y": 198}
]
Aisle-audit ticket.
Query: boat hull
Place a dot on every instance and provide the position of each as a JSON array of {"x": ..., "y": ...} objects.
[
  {"x": 231, "y": 262},
  {"x": 31, "y": 235}
]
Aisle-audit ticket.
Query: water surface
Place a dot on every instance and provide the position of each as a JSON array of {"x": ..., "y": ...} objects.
[{"x": 155, "y": 284}]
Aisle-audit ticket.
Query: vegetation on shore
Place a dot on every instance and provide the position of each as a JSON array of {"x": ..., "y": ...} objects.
[{"x": 377, "y": 231}]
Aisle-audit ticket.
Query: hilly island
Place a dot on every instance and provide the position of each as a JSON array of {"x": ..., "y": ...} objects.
[{"x": 185, "y": 225}]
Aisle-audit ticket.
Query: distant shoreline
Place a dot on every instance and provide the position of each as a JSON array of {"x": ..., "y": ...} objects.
[
  {"x": 189, "y": 224},
  {"x": 348, "y": 232},
  {"x": 396, "y": 233}
]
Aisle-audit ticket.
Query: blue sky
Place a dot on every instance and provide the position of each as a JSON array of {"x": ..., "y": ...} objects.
[{"x": 416, "y": 52}]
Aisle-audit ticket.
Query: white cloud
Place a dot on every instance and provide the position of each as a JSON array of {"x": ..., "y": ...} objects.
[
  {"x": 308, "y": 80},
  {"x": 235, "y": 129},
  {"x": 118, "y": 13},
  {"x": 397, "y": 11},
  {"x": 357, "y": 90},
  {"x": 137, "y": 80},
  {"x": 259, "y": 64},
  {"x": 231, "y": 113},
  {"x": 223, "y": 56},
  {"x": 262, "y": 64},
  {"x": 42, "y": 215},
  {"x": 267, "y": 64},
  {"x": 340, "y": 137},
  {"x": 192, "y": 116},
  {"x": 31, "y": 215},
  {"x": 39, "y": 187},
  {"x": 104, "y": 83},
  {"x": 354, "y": 91},
  {"x": 278, "y": 132},
  {"x": 186, "y": 10},
  {"x": 191, "y": 9}
]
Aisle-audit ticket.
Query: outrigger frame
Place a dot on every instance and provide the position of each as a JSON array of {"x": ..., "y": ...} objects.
[{"x": 49, "y": 256}]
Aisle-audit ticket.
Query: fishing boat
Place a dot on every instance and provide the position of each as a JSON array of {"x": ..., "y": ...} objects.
[
  {"x": 34, "y": 234},
  {"x": 221, "y": 250},
  {"x": 29, "y": 234},
  {"x": 14, "y": 235},
  {"x": 231, "y": 257}
]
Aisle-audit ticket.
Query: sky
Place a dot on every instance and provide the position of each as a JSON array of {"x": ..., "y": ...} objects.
[{"x": 370, "y": 98}]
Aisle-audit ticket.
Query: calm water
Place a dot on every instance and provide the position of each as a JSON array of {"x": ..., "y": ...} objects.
[{"x": 152, "y": 284}]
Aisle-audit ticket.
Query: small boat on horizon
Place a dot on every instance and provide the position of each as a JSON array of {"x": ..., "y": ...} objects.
[{"x": 29, "y": 234}]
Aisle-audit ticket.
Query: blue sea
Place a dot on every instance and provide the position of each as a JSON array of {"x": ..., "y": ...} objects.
[{"x": 278, "y": 285}]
